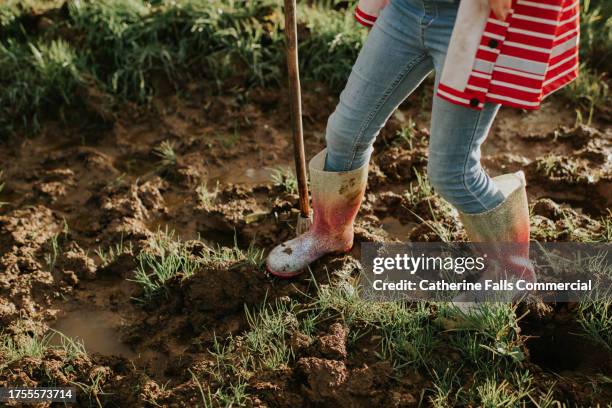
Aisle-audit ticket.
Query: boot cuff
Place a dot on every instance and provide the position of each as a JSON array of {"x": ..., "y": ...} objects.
[{"x": 317, "y": 164}]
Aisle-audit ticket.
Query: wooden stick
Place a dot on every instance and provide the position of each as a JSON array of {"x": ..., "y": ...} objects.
[{"x": 296, "y": 105}]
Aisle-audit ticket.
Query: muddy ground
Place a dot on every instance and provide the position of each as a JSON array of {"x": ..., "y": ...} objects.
[{"x": 77, "y": 188}]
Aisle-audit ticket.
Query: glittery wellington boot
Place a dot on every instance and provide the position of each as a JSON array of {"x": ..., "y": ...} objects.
[
  {"x": 504, "y": 230},
  {"x": 336, "y": 197}
]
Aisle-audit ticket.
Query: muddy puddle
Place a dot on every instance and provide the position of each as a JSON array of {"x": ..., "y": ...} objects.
[
  {"x": 250, "y": 176},
  {"x": 102, "y": 332},
  {"x": 98, "y": 330}
]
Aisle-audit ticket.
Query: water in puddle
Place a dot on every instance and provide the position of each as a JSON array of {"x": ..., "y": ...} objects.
[
  {"x": 396, "y": 229},
  {"x": 250, "y": 175},
  {"x": 98, "y": 330}
]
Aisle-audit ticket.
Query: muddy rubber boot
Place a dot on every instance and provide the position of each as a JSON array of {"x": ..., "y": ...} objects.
[
  {"x": 504, "y": 230},
  {"x": 336, "y": 197}
]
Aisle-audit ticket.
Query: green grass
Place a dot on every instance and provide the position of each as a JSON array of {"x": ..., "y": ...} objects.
[
  {"x": 266, "y": 340},
  {"x": 408, "y": 338},
  {"x": 125, "y": 47},
  {"x": 206, "y": 196},
  {"x": 15, "y": 348},
  {"x": 113, "y": 252},
  {"x": 165, "y": 154},
  {"x": 54, "y": 252},
  {"x": 166, "y": 259},
  {"x": 595, "y": 318},
  {"x": 2, "y": 203},
  {"x": 285, "y": 180},
  {"x": 234, "y": 257}
]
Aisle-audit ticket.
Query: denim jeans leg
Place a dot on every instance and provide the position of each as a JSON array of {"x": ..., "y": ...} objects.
[
  {"x": 453, "y": 166},
  {"x": 391, "y": 64},
  {"x": 457, "y": 133}
]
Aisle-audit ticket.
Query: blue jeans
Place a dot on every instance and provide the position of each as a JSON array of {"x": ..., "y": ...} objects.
[{"x": 408, "y": 41}]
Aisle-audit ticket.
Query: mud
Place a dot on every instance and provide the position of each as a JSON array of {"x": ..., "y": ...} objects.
[{"x": 75, "y": 190}]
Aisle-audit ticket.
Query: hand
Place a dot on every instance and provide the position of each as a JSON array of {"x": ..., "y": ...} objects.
[{"x": 501, "y": 8}]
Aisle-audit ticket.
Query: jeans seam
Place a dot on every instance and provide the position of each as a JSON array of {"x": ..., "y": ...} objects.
[
  {"x": 475, "y": 196},
  {"x": 409, "y": 67}
]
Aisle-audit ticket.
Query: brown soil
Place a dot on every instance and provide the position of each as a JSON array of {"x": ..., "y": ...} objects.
[{"x": 94, "y": 185}]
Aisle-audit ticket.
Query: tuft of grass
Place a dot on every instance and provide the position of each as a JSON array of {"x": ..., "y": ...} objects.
[
  {"x": 408, "y": 338},
  {"x": 235, "y": 256},
  {"x": 595, "y": 318},
  {"x": 51, "y": 257},
  {"x": 266, "y": 338},
  {"x": 606, "y": 228},
  {"x": 37, "y": 78},
  {"x": 113, "y": 252},
  {"x": 487, "y": 335},
  {"x": 166, "y": 155},
  {"x": 207, "y": 197},
  {"x": 588, "y": 92},
  {"x": 446, "y": 388},
  {"x": 15, "y": 348},
  {"x": 285, "y": 179},
  {"x": 2, "y": 203},
  {"x": 94, "y": 389},
  {"x": 166, "y": 259},
  {"x": 229, "y": 371},
  {"x": 494, "y": 393},
  {"x": 407, "y": 134},
  {"x": 419, "y": 190}
]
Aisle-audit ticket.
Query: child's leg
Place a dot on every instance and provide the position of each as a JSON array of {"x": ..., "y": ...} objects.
[
  {"x": 453, "y": 165},
  {"x": 391, "y": 64},
  {"x": 457, "y": 133}
]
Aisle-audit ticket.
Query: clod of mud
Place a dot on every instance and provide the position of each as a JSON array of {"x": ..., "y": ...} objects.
[
  {"x": 214, "y": 293},
  {"x": 29, "y": 227},
  {"x": 75, "y": 261},
  {"x": 333, "y": 345},
  {"x": 327, "y": 382}
]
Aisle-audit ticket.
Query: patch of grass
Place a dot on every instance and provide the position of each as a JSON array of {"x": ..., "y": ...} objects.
[
  {"x": 166, "y": 155},
  {"x": 207, "y": 197},
  {"x": 229, "y": 371},
  {"x": 113, "y": 252},
  {"x": 596, "y": 34},
  {"x": 37, "y": 78},
  {"x": 2, "y": 203},
  {"x": 93, "y": 389},
  {"x": 406, "y": 332},
  {"x": 235, "y": 256},
  {"x": 588, "y": 92},
  {"x": 446, "y": 388},
  {"x": 595, "y": 318},
  {"x": 486, "y": 335},
  {"x": 606, "y": 228},
  {"x": 419, "y": 190},
  {"x": 331, "y": 46},
  {"x": 15, "y": 348},
  {"x": 496, "y": 393},
  {"x": 266, "y": 338},
  {"x": 285, "y": 180},
  {"x": 51, "y": 257},
  {"x": 408, "y": 338},
  {"x": 166, "y": 259},
  {"x": 406, "y": 135},
  {"x": 263, "y": 345}
]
